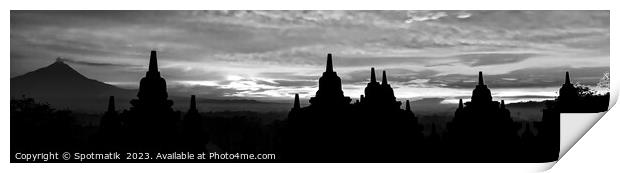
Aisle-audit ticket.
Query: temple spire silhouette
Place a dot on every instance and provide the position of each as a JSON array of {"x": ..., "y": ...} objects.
[
  {"x": 194, "y": 138},
  {"x": 330, "y": 65},
  {"x": 296, "y": 108},
  {"x": 567, "y": 79},
  {"x": 459, "y": 111},
  {"x": 373, "y": 79},
  {"x": 568, "y": 90},
  {"x": 330, "y": 87},
  {"x": 502, "y": 105},
  {"x": 384, "y": 79},
  {"x": 192, "y": 111},
  {"x": 192, "y": 104},
  {"x": 153, "y": 61},
  {"x": 377, "y": 116},
  {"x": 481, "y": 94},
  {"x": 380, "y": 94},
  {"x": 480, "y": 79},
  {"x": 568, "y": 96},
  {"x": 153, "y": 68},
  {"x": 111, "y": 127},
  {"x": 296, "y": 105},
  {"x": 407, "y": 106},
  {"x": 153, "y": 86},
  {"x": 482, "y": 124},
  {"x": 373, "y": 88},
  {"x": 111, "y": 107},
  {"x": 151, "y": 117}
]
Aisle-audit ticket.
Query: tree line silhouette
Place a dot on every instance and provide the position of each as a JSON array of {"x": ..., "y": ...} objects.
[{"x": 374, "y": 128}]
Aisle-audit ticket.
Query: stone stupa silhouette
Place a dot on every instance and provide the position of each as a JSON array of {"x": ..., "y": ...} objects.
[
  {"x": 379, "y": 118},
  {"x": 481, "y": 128},
  {"x": 373, "y": 129},
  {"x": 549, "y": 127},
  {"x": 330, "y": 88},
  {"x": 318, "y": 128},
  {"x": 195, "y": 137},
  {"x": 151, "y": 122},
  {"x": 110, "y": 136}
]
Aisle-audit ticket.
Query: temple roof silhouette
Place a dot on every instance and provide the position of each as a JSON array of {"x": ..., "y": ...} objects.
[
  {"x": 153, "y": 87},
  {"x": 567, "y": 79},
  {"x": 111, "y": 107},
  {"x": 481, "y": 94},
  {"x": 330, "y": 88},
  {"x": 296, "y": 104},
  {"x": 384, "y": 79},
  {"x": 568, "y": 90},
  {"x": 407, "y": 106},
  {"x": 192, "y": 105},
  {"x": 378, "y": 93},
  {"x": 373, "y": 88}
]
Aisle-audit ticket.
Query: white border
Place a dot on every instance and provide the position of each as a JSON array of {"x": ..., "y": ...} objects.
[{"x": 597, "y": 150}]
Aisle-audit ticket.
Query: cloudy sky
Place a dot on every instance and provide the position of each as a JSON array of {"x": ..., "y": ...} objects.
[{"x": 272, "y": 54}]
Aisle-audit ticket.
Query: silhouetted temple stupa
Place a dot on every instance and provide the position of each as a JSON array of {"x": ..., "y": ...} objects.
[
  {"x": 330, "y": 88},
  {"x": 152, "y": 93},
  {"x": 503, "y": 110},
  {"x": 482, "y": 94},
  {"x": 568, "y": 90},
  {"x": 109, "y": 137},
  {"x": 408, "y": 107},
  {"x": 460, "y": 109},
  {"x": 482, "y": 127},
  {"x": 330, "y": 124},
  {"x": 153, "y": 87},
  {"x": 111, "y": 107},
  {"x": 111, "y": 119},
  {"x": 317, "y": 127},
  {"x": 151, "y": 120},
  {"x": 568, "y": 97},
  {"x": 549, "y": 128},
  {"x": 388, "y": 92},
  {"x": 195, "y": 137},
  {"x": 373, "y": 90},
  {"x": 296, "y": 107},
  {"x": 192, "y": 117},
  {"x": 379, "y": 94}
]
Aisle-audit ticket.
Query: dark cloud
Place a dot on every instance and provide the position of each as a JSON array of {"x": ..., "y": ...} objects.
[
  {"x": 394, "y": 75},
  {"x": 537, "y": 19},
  {"x": 529, "y": 97},
  {"x": 474, "y": 60},
  {"x": 214, "y": 92},
  {"x": 377, "y": 61},
  {"x": 294, "y": 83},
  {"x": 191, "y": 74},
  {"x": 524, "y": 78},
  {"x": 96, "y": 64},
  {"x": 486, "y": 59},
  {"x": 288, "y": 76},
  {"x": 318, "y": 59}
]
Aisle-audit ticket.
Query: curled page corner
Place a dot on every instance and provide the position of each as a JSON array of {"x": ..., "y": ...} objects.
[{"x": 575, "y": 125}]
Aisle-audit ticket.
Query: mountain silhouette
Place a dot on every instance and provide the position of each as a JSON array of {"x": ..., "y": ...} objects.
[{"x": 64, "y": 87}]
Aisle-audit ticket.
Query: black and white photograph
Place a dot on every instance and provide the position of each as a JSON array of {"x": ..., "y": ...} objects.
[{"x": 302, "y": 86}]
